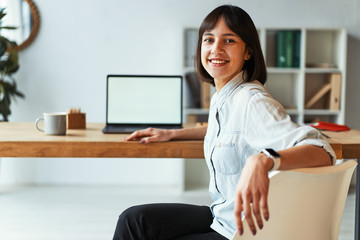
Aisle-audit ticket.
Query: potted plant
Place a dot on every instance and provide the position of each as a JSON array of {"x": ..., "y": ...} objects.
[{"x": 9, "y": 64}]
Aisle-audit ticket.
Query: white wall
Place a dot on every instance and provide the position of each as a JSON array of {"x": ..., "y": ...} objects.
[{"x": 81, "y": 41}]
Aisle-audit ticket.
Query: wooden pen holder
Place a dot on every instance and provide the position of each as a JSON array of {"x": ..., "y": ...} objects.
[{"x": 76, "y": 121}]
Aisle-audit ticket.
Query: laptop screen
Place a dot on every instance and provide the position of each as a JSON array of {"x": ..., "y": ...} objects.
[{"x": 144, "y": 99}]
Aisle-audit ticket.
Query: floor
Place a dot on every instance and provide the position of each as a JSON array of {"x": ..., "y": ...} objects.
[{"x": 90, "y": 213}]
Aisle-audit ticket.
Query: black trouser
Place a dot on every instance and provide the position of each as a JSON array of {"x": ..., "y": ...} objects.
[{"x": 166, "y": 221}]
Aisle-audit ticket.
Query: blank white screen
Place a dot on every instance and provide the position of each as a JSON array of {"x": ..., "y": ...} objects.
[{"x": 143, "y": 100}]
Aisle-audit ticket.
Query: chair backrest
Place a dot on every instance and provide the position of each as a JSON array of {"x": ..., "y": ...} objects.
[{"x": 305, "y": 204}]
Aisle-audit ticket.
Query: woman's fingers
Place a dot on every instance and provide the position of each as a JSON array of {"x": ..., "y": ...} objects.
[
  {"x": 147, "y": 140},
  {"x": 257, "y": 212},
  {"x": 265, "y": 208},
  {"x": 149, "y": 135},
  {"x": 137, "y": 134},
  {"x": 252, "y": 206},
  {"x": 238, "y": 214},
  {"x": 248, "y": 215}
]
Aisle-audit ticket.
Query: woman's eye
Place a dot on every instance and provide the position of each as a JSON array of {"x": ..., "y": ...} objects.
[
  {"x": 229, "y": 41},
  {"x": 207, "y": 40}
]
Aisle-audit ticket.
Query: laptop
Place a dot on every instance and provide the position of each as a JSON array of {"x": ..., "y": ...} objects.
[{"x": 135, "y": 102}]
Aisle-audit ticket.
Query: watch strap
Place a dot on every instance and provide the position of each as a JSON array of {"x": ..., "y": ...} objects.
[{"x": 273, "y": 155}]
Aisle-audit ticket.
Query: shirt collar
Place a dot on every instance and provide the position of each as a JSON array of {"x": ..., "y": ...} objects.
[{"x": 225, "y": 92}]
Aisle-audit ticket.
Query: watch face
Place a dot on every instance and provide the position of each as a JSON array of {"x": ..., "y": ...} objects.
[{"x": 272, "y": 152}]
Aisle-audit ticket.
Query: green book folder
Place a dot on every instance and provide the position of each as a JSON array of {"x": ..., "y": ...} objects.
[
  {"x": 289, "y": 48},
  {"x": 297, "y": 39},
  {"x": 285, "y": 49},
  {"x": 281, "y": 58}
]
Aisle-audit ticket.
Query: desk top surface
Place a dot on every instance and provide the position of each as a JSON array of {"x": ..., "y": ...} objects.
[
  {"x": 27, "y": 132},
  {"x": 24, "y": 140}
]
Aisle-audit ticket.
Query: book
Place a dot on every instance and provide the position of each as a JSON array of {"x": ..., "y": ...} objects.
[
  {"x": 281, "y": 56},
  {"x": 297, "y": 46},
  {"x": 288, "y": 49},
  {"x": 330, "y": 126}
]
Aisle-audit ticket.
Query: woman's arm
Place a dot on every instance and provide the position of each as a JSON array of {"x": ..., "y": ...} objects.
[
  {"x": 304, "y": 156},
  {"x": 162, "y": 135},
  {"x": 253, "y": 185}
]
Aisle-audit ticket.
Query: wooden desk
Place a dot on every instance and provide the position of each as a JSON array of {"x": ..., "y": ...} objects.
[
  {"x": 345, "y": 144},
  {"x": 23, "y": 140}
]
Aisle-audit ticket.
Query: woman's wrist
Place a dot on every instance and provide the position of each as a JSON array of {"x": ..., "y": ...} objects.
[
  {"x": 266, "y": 161},
  {"x": 172, "y": 133}
]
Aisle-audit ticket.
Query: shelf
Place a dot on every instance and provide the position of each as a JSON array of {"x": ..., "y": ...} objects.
[
  {"x": 282, "y": 70},
  {"x": 321, "y": 112},
  {"x": 292, "y": 111},
  {"x": 322, "y": 70}
]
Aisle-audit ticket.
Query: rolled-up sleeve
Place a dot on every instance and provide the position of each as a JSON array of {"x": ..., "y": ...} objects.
[
  {"x": 315, "y": 138},
  {"x": 269, "y": 126}
]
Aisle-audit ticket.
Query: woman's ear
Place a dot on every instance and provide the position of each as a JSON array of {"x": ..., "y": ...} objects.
[{"x": 248, "y": 54}]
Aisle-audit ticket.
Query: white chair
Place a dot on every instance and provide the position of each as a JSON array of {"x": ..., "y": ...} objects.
[{"x": 305, "y": 204}]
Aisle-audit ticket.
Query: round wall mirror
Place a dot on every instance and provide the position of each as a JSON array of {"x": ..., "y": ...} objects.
[{"x": 24, "y": 15}]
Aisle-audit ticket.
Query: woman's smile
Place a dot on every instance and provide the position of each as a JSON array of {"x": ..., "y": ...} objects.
[{"x": 216, "y": 62}]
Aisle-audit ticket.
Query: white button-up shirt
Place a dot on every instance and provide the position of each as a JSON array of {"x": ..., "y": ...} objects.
[{"x": 243, "y": 119}]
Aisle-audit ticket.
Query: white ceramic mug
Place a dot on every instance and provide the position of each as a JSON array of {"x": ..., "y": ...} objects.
[{"x": 54, "y": 123}]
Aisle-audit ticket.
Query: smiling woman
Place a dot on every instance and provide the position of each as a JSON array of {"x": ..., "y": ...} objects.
[{"x": 24, "y": 15}]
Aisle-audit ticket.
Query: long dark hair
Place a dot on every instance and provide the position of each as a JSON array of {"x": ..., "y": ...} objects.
[{"x": 240, "y": 23}]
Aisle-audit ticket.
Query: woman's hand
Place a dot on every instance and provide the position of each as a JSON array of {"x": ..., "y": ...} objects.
[
  {"x": 253, "y": 186},
  {"x": 150, "y": 135},
  {"x": 162, "y": 135},
  {"x": 252, "y": 192}
]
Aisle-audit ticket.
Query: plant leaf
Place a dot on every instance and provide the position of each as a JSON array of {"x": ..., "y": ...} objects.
[
  {"x": 5, "y": 110},
  {"x": 3, "y": 45},
  {"x": 9, "y": 27},
  {"x": 2, "y": 13}
]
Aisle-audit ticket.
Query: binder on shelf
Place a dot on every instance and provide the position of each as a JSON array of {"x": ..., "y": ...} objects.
[
  {"x": 288, "y": 49},
  {"x": 335, "y": 82},
  {"x": 297, "y": 44},
  {"x": 289, "y": 46},
  {"x": 281, "y": 55}
]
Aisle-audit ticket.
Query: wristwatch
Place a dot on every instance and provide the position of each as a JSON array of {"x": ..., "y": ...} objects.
[{"x": 271, "y": 153}]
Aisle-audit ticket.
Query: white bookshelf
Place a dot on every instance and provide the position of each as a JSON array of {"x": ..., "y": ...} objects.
[{"x": 293, "y": 87}]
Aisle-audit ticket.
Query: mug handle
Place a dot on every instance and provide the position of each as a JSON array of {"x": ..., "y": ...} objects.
[{"x": 36, "y": 124}]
